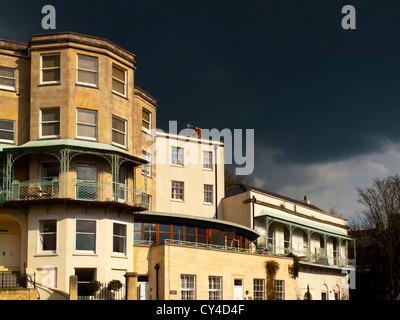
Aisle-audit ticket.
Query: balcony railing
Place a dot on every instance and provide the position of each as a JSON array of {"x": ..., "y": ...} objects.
[
  {"x": 75, "y": 189},
  {"x": 319, "y": 257}
]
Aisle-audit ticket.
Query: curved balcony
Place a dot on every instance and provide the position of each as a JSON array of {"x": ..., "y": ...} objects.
[{"x": 38, "y": 190}]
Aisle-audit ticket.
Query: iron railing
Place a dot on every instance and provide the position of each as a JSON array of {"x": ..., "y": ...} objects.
[
  {"x": 106, "y": 294},
  {"x": 306, "y": 257},
  {"x": 12, "y": 279},
  {"x": 75, "y": 189}
]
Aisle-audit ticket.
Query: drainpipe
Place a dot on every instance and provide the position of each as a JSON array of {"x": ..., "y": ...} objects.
[
  {"x": 253, "y": 205},
  {"x": 157, "y": 267},
  {"x": 216, "y": 184}
]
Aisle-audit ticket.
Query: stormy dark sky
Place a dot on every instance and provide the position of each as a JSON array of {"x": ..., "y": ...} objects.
[{"x": 324, "y": 102}]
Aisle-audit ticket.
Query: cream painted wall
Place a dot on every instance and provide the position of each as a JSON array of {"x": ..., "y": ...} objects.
[
  {"x": 175, "y": 260},
  {"x": 192, "y": 174},
  {"x": 108, "y": 264}
]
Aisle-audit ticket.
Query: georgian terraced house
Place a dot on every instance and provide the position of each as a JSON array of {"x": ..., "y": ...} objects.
[{"x": 84, "y": 192}]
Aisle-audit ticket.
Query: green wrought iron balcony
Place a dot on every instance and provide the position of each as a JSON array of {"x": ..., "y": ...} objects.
[
  {"x": 318, "y": 258},
  {"x": 75, "y": 189}
]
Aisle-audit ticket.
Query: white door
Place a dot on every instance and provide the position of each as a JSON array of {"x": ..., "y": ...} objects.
[
  {"x": 9, "y": 250},
  {"x": 238, "y": 289},
  {"x": 143, "y": 290}
]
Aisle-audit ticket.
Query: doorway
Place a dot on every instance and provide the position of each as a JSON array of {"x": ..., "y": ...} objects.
[{"x": 238, "y": 289}]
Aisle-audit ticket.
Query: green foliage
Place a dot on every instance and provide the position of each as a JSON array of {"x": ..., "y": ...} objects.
[
  {"x": 272, "y": 268},
  {"x": 295, "y": 268},
  {"x": 93, "y": 286},
  {"x": 114, "y": 285}
]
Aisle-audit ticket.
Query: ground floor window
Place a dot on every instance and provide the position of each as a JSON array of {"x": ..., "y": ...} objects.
[
  {"x": 85, "y": 275},
  {"x": 215, "y": 288},
  {"x": 258, "y": 286},
  {"x": 280, "y": 289},
  {"x": 188, "y": 287}
]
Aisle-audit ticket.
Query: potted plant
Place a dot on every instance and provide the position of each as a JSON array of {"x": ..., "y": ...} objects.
[
  {"x": 93, "y": 286},
  {"x": 114, "y": 286}
]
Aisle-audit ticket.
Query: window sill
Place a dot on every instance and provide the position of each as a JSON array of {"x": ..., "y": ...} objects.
[
  {"x": 87, "y": 254},
  {"x": 178, "y": 200},
  {"x": 49, "y": 84},
  {"x": 120, "y": 95},
  {"x": 45, "y": 254},
  {"x": 116, "y": 255},
  {"x": 87, "y": 85}
]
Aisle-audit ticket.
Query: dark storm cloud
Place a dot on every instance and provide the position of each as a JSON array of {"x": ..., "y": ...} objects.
[{"x": 285, "y": 68}]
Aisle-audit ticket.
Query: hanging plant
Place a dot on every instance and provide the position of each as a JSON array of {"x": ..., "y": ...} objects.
[
  {"x": 294, "y": 269},
  {"x": 272, "y": 269}
]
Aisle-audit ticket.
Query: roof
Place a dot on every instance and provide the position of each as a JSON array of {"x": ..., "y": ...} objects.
[
  {"x": 57, "y": 144},
  {"x": 199, "y": 221},
  {"x": 241, "y": 188}
]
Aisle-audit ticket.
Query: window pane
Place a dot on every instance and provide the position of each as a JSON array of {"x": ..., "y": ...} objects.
[
  {"x": 177, "y": 236},
  {"x": 119, "y": 245},
  {"x": 118, "y": 86},
  {"x": 49, "y": 242},
  {"x": 201, "y": 231},
  {"x": 118, "y": 73},
  {"x": 86, "y": 226},
  {"x": 119, "y": 229},
  {"x": 7, "y": 72},
  {"x": 50, "y": 129},
  {"x": 87, "y": 116},
  {"x": 177, "y": 229},
  {"x": 149, "y": 236},
  {"x": 51, "y": 61},
  {"x": 9, "y": 136},
  {"x": 85, "y": 242},
  {"x": 7, "y": 82},
  {"x": 190, "y": 230},
  {"x": 6, "y": 125},
  {"x": 162, "y": 236},
  {"x": 119, "y": 138},
  {"x": 164, "y": 227},
  {"x": 87, "y": 77},
  {"x": 146, "y": 115},
  {"x": 88, "y": 63},
  {"x": 51, "y": 75},
  {"x": 149, "y": 226},
  {"x": 190, "y": 238},
  {"x": 118, "y": 124},
  {"x": 86, "y": 172},
  {"x": 51, "y": 114},
  {"x": 48, "y": 225},
  {"x": 87, "y": 131},
  {"x": 49, "y": 170}
]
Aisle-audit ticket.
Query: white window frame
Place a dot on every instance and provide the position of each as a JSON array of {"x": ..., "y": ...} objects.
[
  {"x": 180, "y": 156},
  {"x": 149, "y": 122},
  {"x": 209, "y": 157},
  {"x": 53, "y": 68},
  {"x": 39, "y": 247},
  {"x": 41, "y": 123},
  {"x": 124, "y": 82},
  {"x": 87, "y": 70},
  {"x": 87, "y": 124},
  {"x": 115, "y": 253},
  {"x": 256, "y": 289},
  {"x": 212, "y": 289},
  {"x": 95, "y": 236},
  {"x": 124, "y": 133},
  {"x": 280, "y": 294},
  {"x": 186, "y": 289},
  {"x": 208, "y": 191},
  {"x": 147, "y": 156},
  {"x": 13, "y": 131},
  {"x": 9, "y": 88},
  {"x": 181, "y": 188}
]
